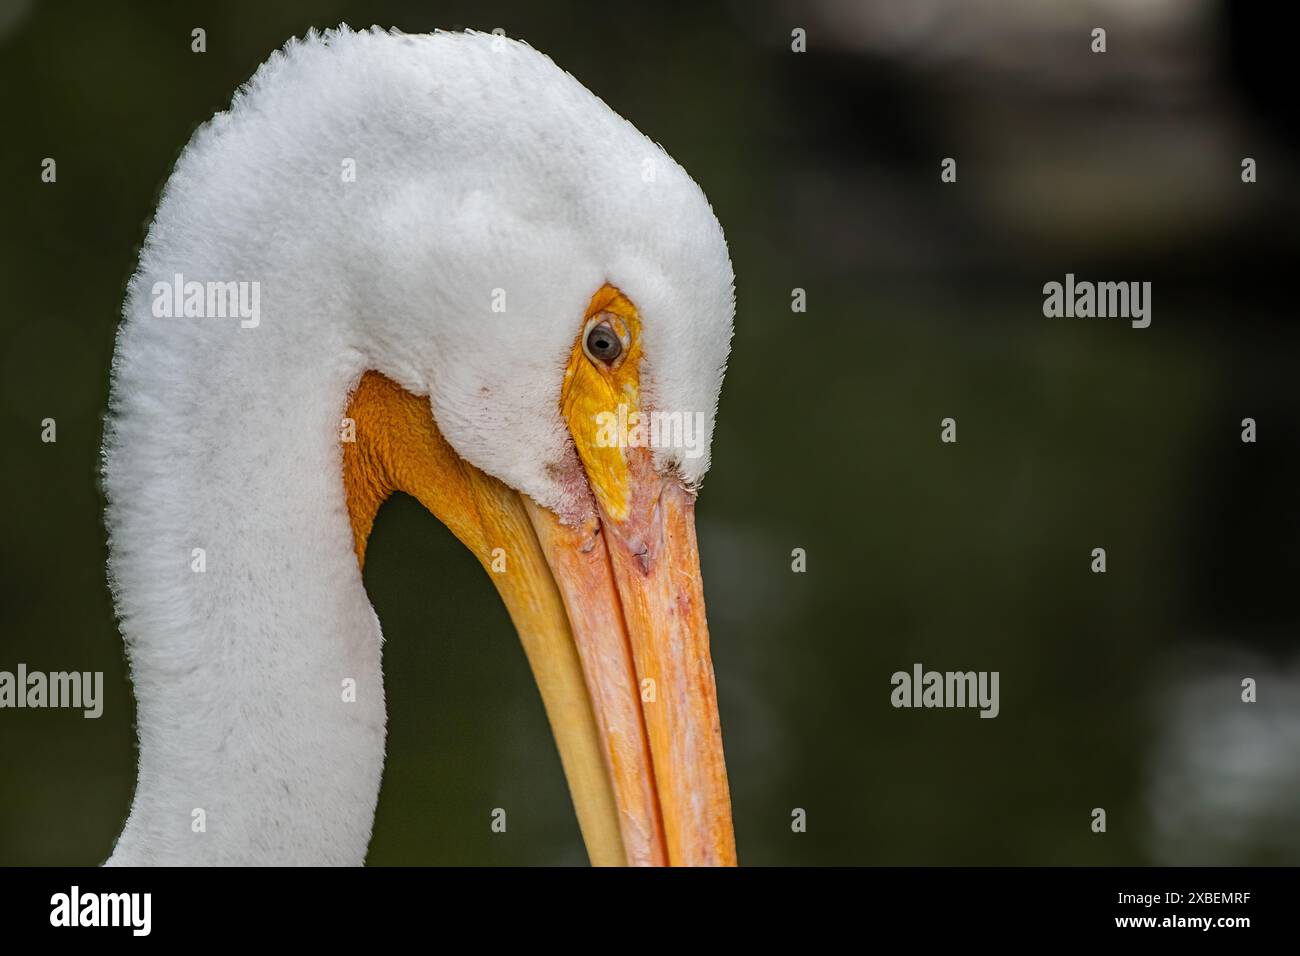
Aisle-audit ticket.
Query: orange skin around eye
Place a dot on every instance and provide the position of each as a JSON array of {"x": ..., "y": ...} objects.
[{"x": 593, "y": 389}]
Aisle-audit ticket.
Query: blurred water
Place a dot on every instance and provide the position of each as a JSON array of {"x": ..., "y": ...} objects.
[{"x": 1224, "y": 775}]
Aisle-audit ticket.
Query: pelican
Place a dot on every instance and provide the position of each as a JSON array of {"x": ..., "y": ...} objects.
[{"x": 432, "y": 264}]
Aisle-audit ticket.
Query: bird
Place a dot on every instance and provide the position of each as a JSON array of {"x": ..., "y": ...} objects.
[{"x": 433, "y": 264}]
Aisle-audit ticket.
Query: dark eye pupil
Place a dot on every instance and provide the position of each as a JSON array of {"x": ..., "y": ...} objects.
[{"x": 604, "y": 344}]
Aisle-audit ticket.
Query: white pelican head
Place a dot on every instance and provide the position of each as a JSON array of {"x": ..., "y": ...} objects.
[{"x": 434, "y": 264}]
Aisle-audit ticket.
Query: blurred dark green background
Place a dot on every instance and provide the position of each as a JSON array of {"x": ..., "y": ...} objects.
[{"x": 924, "y": 301}]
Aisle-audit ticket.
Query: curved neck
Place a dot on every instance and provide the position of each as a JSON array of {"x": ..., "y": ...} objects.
[{"x": 254, "y": 651}]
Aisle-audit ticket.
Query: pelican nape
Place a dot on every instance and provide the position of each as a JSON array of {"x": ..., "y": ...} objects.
[{"x": 464, "y": 261}]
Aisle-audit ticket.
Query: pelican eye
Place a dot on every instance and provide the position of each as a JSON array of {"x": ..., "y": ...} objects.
[{"x": 604, "y": 344}]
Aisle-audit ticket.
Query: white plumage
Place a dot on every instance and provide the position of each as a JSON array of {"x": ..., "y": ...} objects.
[{"x": 483, "y": 172}]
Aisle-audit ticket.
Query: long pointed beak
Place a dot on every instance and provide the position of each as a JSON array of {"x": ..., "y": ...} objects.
[
  {"x": 650, "y": 625},
  {"x": 663, "y": 604},
  {"x": 635, "y": 602},
  {"x": 613, "y": 629},
  {"x": 580, "y": 565}
]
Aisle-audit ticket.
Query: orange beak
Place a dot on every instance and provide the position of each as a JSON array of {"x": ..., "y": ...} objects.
[
  {"x": 610, "y": 611},
  {"x": 631, "y": 585},
  {"x": 635, "y": 603}
]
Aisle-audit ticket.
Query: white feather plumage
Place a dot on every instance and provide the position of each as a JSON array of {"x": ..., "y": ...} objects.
[{"x": 480, "y": 166}]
